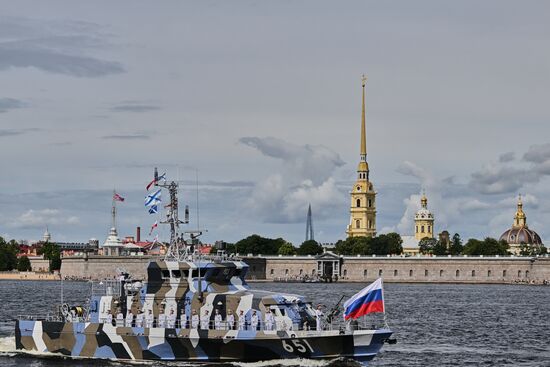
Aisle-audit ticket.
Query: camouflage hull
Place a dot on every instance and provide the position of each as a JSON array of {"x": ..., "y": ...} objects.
[{"x": 93, "y": 340}]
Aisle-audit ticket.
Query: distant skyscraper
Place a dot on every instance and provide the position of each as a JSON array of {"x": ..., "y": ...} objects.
[
  {"x": 362, "y": 221},
  {"x": 309, "y": 225}
]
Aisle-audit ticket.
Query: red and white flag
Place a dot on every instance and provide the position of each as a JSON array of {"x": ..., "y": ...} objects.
[
  {"x": 117, "y": 197},
  {"x": 155, "y": 225}
]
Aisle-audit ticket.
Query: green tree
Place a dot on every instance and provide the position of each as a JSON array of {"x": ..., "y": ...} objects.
[
  {"x": 52, "y": 253},
  {"x": 310, "y": 247},
  {"x": 8, "y": 255},
  {"x": 487, "y": 247},
  {"x": 256, "y": 244},
  {"x": 353, "y": 246},
  {"x": 426, "y": 245},
  {"x": 287, "y": 249},
  {"x": 456, "y": 245},
  {"x": 24, "y": 264},
  {"x": 531, "y": 250},
  {"x": 386, "y": 244}
]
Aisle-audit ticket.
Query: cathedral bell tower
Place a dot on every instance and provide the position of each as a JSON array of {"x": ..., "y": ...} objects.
[{"x": 363, "y": 206}]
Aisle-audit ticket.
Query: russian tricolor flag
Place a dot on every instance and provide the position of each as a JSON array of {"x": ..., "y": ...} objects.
[{"x": 370, "y": 299}]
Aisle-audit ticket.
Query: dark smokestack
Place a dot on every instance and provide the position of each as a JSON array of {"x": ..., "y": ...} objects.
[{"x": 138, "y": 234}]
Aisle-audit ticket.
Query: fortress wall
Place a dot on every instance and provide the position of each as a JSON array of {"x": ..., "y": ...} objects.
[
  {"x": 103, "y": 267},
  {"x": 421, "y": 270},
  {"x": 39, "y": 264},
  {"x": 393, "y": 269}
]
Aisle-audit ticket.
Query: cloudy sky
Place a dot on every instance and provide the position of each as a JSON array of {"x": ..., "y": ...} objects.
[{"x": 263, "y": 99}]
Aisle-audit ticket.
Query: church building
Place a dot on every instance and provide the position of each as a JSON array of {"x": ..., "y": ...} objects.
[
  {"x": 363, "y": 205},
  {"x": 520, "y": 234}
]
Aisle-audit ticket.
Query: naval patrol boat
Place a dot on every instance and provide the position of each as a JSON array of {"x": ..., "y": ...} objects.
[{"x": 195, "y": 308}]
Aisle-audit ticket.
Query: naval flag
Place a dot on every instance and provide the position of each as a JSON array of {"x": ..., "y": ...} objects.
[
  {"x": 117, "y": 197},
  {"x": 161, "y": 177},
  {"x": 370, "y": 299},
  {"x": 155, "y": 225},
  {"x": 153, "y": 209},
  {"x": 152, "y": 199}
]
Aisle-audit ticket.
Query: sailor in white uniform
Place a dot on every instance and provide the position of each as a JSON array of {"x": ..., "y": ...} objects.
[
  {"x": 120, "y": 319},
  {"x": 205, "y": 320},
  {"x": 194, "y": 320},
  {"x": 139, "y": 319},
  {"x": 319, "y": 318},
  {"x": 162, "y": 319},
  {"x": 242, "y": 321},
  {"x": 269, "y": 320},
  {"x": 171, "y": 319},
  {"x": 108, "y": 318},
  {"x": 149, "y": 319},
  {"x": 218, "y": 320},
  {"x": 254, "y": 321},
  {"x": 230, "y": 320},
  {"x": 129, "y": 318}
]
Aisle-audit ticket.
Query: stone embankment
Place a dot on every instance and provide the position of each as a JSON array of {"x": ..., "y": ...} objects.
[
  {"x": 27, "y": 275},
  {"x": 482, "y": 270}
]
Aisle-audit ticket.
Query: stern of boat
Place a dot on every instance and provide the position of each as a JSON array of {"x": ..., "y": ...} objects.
[{"x": 367, "y": 343}]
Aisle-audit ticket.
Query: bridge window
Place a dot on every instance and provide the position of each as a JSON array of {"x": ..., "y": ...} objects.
[
  {"x": 457, "y": 273},
  {"x": 358, "y": 203}
]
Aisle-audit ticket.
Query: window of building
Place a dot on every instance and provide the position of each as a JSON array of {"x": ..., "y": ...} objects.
[
  {"x": 429, "y": 229},
  {"x": 527, "y": 273},
  {"x": 345, "y": 272},
  {"x": 416, "y": 229},
  {"x": 370, "y": 203},
  {"x": 473, "y": 273},
  {"x": 271, "y": 271},
  {"x": 358, "y": 203},
  {"x": 504, "y": 273},
  {"x": 301, "y": 271},
  {"x": 313, "y": 272},
  {"x": 426, "y": 272},
  {"x": 519, "y": 273},
  {"x": 357, "y": 223},
  {"x": 370, "y": 223},
  {"x": 488, "y": 273},
  {"x": 457, "y": 273},
  {"x": 395, "y": 273},
  {"x": 422, "y": 229},
  {"x": 365, "y": 273},
  {"x": 286, "y": 271},
  {"x": 441, "y": 273},
  {"x": 410, "y": 273},
  {"x": 380, "y": 272}
]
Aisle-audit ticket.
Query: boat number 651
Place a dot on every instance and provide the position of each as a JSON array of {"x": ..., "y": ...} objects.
[{"x": 300, "y": 345}]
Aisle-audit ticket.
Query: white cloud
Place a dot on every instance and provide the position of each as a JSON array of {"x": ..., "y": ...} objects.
[{"x": 41, "y": 218}]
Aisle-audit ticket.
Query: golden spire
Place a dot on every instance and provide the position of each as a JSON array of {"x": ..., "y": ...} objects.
[
  {"x": 424, "y": 200},
  {"x": 363, "y": 128},
  {"x": 363, "y": 168},
  {"x": 520, "y": 219}
]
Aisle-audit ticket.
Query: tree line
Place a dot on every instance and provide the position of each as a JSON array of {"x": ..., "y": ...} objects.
[{"x": 10, "y": 261}]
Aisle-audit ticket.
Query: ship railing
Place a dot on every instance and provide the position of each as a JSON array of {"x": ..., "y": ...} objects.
[
  {"x": 39, "y": 318},
  {"x": 109, "y": 287}
]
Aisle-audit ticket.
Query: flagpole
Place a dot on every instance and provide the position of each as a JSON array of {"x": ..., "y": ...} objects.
[{"x": 113, "y": 211}]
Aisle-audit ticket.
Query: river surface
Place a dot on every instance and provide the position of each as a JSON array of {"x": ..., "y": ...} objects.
[{"x": 435, "y": 324}]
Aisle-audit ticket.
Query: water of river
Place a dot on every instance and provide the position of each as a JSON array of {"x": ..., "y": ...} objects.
[{"x": 435, "y": 324}]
